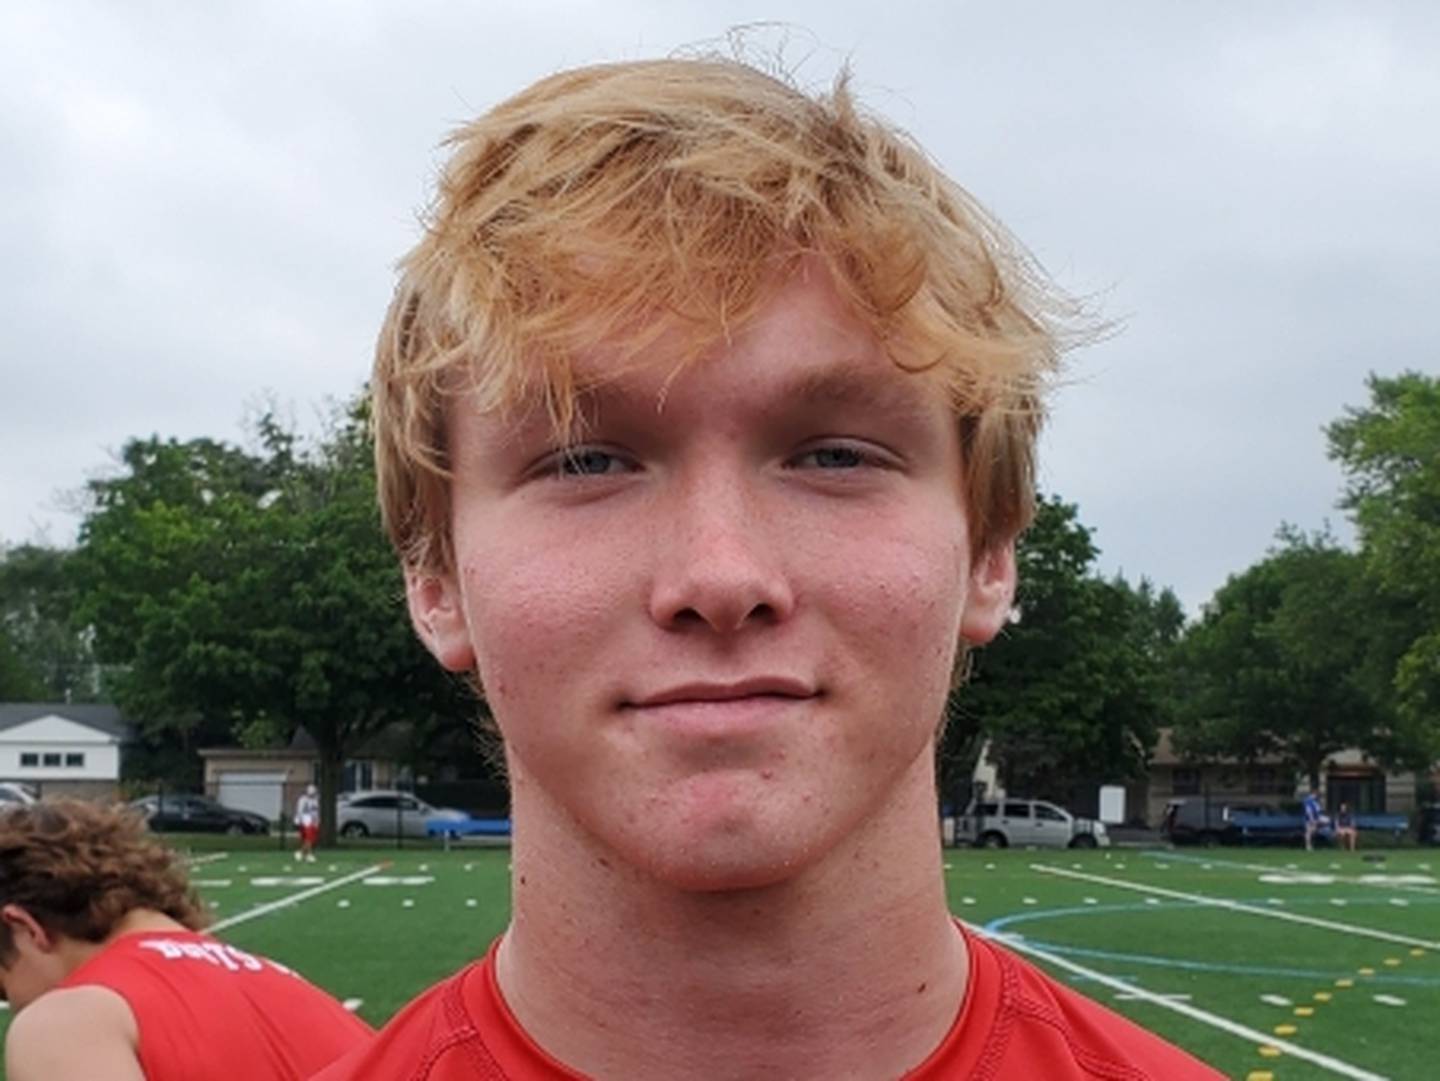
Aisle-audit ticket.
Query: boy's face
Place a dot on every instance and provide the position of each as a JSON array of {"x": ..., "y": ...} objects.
[{"x": 718, "y": 635}]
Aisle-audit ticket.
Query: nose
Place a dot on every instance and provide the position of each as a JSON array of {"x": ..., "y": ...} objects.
[{"x": 720, "y": 564}]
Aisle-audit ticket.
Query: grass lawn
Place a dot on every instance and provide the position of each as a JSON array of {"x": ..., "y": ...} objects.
[{"x": 378, "y": 924}]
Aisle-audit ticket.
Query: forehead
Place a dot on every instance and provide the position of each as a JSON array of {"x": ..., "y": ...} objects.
[{"x": 803, "y": 348}]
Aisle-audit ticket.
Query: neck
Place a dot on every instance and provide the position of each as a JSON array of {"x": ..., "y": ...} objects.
[
  {"x": 76, "y": 951},
  {"x": 851, "y": 967}
]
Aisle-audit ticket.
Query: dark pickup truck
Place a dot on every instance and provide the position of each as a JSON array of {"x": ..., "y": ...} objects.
[
  {"x": 1273, "y": 825},
  {"x": 1196, "y": 821}
]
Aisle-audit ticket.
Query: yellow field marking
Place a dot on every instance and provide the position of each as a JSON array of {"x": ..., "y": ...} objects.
[
  {"x": 1259, "y": 1075},
  {"x": 1285, "y": 1030},
  {"x": 1393, "y": 962},
  {"x": 1304, "y": 1011},
  {"x": 1269, "y": 1051},
  {"x": 1322, "y": 996},
  {"x": 1417, "y": 952},
  {"x": 1346, "y": 982},
  {"x": 1367, "y": 971}
]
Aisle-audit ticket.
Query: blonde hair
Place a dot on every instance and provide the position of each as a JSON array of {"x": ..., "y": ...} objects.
[{"x": 621, "y": 202}]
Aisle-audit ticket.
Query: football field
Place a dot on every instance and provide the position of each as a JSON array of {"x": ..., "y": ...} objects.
[{"x": 1275, "y": 963}]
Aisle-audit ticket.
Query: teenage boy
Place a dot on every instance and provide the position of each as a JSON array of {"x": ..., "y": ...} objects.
[
  {"x": 705, "y": 415},
  {"x": 102, "y": 956}
]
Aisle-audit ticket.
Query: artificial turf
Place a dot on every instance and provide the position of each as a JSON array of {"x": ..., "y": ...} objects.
[{"x": 1372, "y": 1000}]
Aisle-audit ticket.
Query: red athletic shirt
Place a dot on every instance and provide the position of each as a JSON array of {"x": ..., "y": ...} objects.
[
  {"x": 207, "y": 1010},
  {"x": 1016, "y": 1022}
]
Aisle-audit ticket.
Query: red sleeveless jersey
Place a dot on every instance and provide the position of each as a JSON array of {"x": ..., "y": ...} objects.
[
  {"x": 1015, "y": 1022},
  {"x": 207, "y": 1010}
]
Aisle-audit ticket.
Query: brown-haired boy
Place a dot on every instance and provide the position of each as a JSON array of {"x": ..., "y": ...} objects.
[{"x": 102, "y": 954}]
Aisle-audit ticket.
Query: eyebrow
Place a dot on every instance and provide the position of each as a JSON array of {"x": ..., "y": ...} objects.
[
  {"x": 854, "y": 382},
  {"x": 849, "y": 383},
  {"x": 858, "y": 383}
]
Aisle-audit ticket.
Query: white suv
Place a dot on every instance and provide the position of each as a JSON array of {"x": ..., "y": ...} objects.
[
  {"x": 11, "y": 792},
  {"x": 390, "y": 813},
  {"x": 1002, "y": 823}
]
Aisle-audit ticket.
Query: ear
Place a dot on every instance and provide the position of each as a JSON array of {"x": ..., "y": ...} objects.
[
  {"x": 991, "y": 594},
  {"x": 438, "y": 612},
  {"x": 18, "y": 921}
]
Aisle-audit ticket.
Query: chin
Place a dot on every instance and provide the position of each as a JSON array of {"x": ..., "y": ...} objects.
[
  {"x": 740, "y": 857},
  {"x": 720, "y": 873}
]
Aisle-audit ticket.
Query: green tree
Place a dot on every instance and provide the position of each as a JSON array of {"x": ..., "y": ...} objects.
[
  {"x": 37, "y": 601},
  {"x": 1074, "y": 689},
  {"x": 1390, "y": 451},
  {"x": 18, "y": 683},
  {"x": 1277, "y": 663},
  {"x": 256, "y": 590}
]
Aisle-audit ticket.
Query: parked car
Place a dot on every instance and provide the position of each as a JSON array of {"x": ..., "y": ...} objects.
[
  {"x": 387, "y": 813},
  {"x": 10, "y": 792},
  {"x": 182, "y": 813},
  {"x": 1003, "y": 823}
]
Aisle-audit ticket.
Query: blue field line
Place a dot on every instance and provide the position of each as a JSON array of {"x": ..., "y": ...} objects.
[
  {"x": 997, "y": 927},
  {"x": 1220, "y": 968},
  {"x": 1001, "y": 922}
]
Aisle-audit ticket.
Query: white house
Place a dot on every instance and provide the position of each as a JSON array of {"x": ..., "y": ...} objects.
[{"x": 60, "y": 749}]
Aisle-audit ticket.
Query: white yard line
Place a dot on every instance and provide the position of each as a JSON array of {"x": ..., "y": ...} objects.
[
  {"x": 195, "y": 861},
  {"x": 1340, "y": 879},
  {"x": 1132, "y": 996},
  {"x": 1240, "y": 906},
  {"x": 293, "y": 899},
  {"x": 1205, "y": 1017}
]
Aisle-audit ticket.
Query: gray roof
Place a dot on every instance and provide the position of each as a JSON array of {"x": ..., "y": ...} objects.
[{"x": 102, "y": 718}]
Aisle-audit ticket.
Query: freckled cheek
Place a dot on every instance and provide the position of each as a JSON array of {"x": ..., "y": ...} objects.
[
  {"x": 916, "y": 592},
  {"x": 900, "y": 615},
  {"x": 536, "y": 618}
]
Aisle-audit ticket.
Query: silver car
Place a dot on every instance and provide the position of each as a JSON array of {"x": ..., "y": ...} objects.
[{"x": 389, "y": 813}]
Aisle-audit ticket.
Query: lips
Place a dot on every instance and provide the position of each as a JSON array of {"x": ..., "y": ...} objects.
[{"x": 760, "y": 687}]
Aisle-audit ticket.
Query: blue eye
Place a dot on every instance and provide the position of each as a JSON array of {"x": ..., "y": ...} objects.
[
  {"x": 836, "y": 456},
  {"x": 587, "y": 462}
]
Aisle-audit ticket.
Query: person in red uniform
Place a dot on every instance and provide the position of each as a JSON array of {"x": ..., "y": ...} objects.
[
  {"x": 102, "y": 955},
  {"x": 705, "y": 415}
]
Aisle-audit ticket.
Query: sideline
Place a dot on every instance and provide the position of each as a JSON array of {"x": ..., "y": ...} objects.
[
  {"x": 294, "y": 898},
  {"x": 1240, "y": 906},
  {"x": 1340, "y": 878},
  {"x": 1326, "y": 1062}
]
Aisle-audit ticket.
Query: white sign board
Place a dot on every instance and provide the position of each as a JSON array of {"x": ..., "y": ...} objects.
[{"x": 1112, "y": 804}]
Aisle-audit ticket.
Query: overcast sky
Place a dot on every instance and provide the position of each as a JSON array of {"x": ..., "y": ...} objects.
[{"x": 201, "y": 205}]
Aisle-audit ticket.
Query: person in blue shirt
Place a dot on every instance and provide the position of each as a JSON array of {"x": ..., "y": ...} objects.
[{"x": 1313, "y": 818}]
